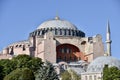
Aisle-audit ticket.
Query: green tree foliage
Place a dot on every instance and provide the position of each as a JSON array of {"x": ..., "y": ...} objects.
[
  {"x": 7, "y": 65},
  {"x": 66, "y": 75},
  {"x": 20, "y": 74},
  {"x": 1, "y": 72},
  {"x": 112, "y": 73},
  {"x": 20, "y": 61},
  {"x": 70, "y": 75},
  {"x": 74, "y": 75},
  {"x": 25, "y": 61},
  {"x": 35, "y": 64},
  {"x": 47, "y": 72}
]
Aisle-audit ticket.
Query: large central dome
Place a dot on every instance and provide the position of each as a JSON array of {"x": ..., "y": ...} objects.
[
  {"x": 57, "y": 23},
  {"x": 58, "y": 27}
]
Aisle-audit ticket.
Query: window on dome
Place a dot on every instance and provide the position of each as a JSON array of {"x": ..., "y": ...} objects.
[
  {"x": 64, "y": 32},
  {"x": 56, "y": 32},
  {"x": 69, "y": 32},
  {"x": 38, "y": 33},
  {"x": 60, "y": 32},
  {"x": 43, "y": 32}
]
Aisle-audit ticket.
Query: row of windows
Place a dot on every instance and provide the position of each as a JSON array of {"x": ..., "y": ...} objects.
[
  {"x": 59, "y": 32},
  {"x": 19, "y": 46},
  {"x": 90, "y": 77},
  {"x": 68, "y": 58},
  {"x": 12, "y": 49},
  {"x": 65, "y": 50}
]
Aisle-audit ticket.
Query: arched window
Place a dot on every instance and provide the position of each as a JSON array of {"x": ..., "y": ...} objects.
[
  {"x": 20, "y": 45},
  {"x": 38, "y": 33},
  {"x": 68, "y": 50},
  {"x": 86, "y": 78},
  {"x": 95, "y": 78},
  {"x": 24, "y": 48},
  {"x": 65, "y": 58},
  {"x": 65, "y": 50},
  {"x": 65, "y": 32},
  {"x": 90, "y": 77},
  {"x": 70, "y": 58},
  {"x": 62, "y": 50},
  {"x": 69, "y": 32},
  {"x": 11, "y": 52},
  {"x": 56, "y": 32},
  {"x": 60, "y": 32}
]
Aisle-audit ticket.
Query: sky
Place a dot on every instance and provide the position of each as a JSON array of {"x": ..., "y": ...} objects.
[{"x": 20, "y": 17}]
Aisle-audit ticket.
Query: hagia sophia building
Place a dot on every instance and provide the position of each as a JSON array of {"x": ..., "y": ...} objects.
[
  {"x": 62, "y": 43},
  {"x": 57, "y": 40}
]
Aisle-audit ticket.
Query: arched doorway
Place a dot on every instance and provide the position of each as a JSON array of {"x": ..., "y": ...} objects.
[{"x": 68, "y": 53}]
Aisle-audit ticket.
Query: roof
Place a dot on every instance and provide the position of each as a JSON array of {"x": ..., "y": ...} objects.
[
  {"x": 98, "y": 64},
  {"x": 57, "y": 23}
]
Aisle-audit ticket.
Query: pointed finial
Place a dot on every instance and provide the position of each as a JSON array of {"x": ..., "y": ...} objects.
[
  {"x": 57, "y": 18},
  {"x": 108, "y": 27}
]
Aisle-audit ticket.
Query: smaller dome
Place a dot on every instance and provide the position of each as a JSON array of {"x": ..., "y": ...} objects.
[{"x": 98, "y": 64}]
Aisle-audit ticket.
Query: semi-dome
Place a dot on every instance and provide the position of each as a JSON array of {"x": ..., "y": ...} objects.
[
  {"x": 98, "y": 64},
  {"x": 57, "y": 23}
]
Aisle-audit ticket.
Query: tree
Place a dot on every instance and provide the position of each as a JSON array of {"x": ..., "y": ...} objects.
[
  {"x": 7, "y": 66},
  {"x": 20, "y": 61},
  {"x": 25, "y": 61},
  {"x": 112, "y": 73},
  {"x": 35, "y": 64},
  {"x": 74, "y": 75},
  {"x": 20, "y": 74},
  {"x": 1, "y": 72},
  {"x": 47, "y": 72},
  {"x": 70, "y": 75},
  {"x": 66, "y": 75}
]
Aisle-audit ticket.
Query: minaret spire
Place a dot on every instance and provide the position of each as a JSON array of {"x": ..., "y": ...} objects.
[
  {"x": 108, "y": 27},
  {"x": 108, "y": 40}
]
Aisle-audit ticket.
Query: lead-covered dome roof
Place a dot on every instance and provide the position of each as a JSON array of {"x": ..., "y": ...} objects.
[
  {"x": 57, "y": 23},
  {"x": 98, "y": 64},
  {"x": 58, "y": 27}
]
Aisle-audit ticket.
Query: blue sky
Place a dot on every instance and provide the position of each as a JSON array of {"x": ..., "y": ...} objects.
[{"x": 20, "y": 17}]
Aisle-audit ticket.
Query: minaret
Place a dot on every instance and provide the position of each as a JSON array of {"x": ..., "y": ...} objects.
[{"x": 108, "y": 40}]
